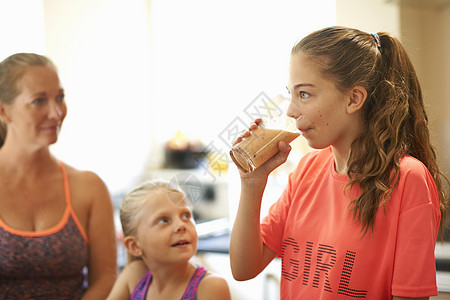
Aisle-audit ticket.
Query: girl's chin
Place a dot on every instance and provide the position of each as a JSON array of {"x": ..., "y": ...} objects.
[{"x": 315, "y": 145}]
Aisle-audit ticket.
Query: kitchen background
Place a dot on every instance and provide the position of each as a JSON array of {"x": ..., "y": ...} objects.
[{"x": 159, "y": 88}]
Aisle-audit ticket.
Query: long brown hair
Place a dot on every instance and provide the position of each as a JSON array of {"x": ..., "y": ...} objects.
[{"x": 394, "y": 112}]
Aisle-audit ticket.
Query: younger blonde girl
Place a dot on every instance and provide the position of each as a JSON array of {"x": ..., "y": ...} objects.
[{"x": 161, "y": 238}]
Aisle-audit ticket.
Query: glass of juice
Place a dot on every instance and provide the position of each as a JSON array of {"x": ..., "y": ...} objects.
[{"x": 263, "y": 142}]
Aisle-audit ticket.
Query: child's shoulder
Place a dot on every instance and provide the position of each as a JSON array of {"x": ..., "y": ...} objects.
[
  {"x": 414, "y": 171},
  {"x": 128, "y": 278},
  {"x": 133, "y": 272},
  {"x": 213, "y": 286}
]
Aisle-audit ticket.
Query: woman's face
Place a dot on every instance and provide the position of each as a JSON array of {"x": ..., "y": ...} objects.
[
  {"x": 36, "y": 114},
  {"x": 319, "y": 108},
  {"x": 166, "y": 232}
]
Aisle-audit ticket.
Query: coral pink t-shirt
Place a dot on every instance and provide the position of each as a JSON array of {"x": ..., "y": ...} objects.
[{"x": 325, "y": 256}]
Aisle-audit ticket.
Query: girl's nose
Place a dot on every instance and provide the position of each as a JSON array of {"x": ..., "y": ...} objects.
[
  {"x": 293, "y": 110},
  {"x": 180, "y": 227}
]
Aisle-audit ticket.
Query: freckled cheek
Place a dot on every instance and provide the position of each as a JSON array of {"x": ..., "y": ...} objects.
[
  {"x": 321, "y": 119},
  {"x": 324, "y": 117}
]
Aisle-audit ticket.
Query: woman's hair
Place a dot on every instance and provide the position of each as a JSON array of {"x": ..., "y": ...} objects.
[
  {"x": 394, "y": 112},
  {"x": 134, "y": 201},
  {"x": 12, "y": 70}
]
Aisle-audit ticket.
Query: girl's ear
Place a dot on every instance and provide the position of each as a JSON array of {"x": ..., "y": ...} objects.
[
  {"x": 358, "y": 96},
  {"x": 132, "y": 246}
]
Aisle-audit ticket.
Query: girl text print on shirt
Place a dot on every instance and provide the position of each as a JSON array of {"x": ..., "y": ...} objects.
[{"x": 318, "y": 263}]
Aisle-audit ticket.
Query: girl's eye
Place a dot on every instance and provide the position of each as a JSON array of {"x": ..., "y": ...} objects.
[
  {"x": 60, "y": 98},
  {"x": 162, "y": 221},
  {"x": 187, "y": 215},
  {"x": 304, "y": 95}
]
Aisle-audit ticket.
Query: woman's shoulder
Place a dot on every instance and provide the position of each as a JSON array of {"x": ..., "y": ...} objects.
[
  {"x": 87, "y": 190},
  {"x": 85, "y": 181},
  {"x": 82, "y": 175}
]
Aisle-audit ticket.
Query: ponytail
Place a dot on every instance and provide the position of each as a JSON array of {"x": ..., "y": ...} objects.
[{"x": 414, "y": 136}]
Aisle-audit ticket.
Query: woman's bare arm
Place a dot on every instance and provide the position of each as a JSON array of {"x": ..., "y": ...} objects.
[{"x": 102, "y": 267}]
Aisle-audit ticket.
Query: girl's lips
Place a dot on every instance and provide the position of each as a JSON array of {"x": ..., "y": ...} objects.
[
  {"x": 303, "y": 131},
  {"x": 180, "y": 243}
]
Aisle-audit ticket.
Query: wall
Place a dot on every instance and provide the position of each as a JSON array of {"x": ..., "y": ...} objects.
[
  {"x": 102, "y": 50},
  {"x": 368, "y": 15},
  {"x": 425, "y": 29},
  {"x": 17, "y": 35},
  {"x": 130, "y": 86},
  {"x": 212, "y": 59}
]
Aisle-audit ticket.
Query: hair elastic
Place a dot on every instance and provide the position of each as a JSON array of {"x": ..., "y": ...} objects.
[{"x": 377, "y": 39}]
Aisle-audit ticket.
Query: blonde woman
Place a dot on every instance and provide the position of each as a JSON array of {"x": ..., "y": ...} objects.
[{"x": 55, "y": 221}]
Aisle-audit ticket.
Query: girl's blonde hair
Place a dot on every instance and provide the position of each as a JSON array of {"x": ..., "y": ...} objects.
[
  {"x": 135, "y": 200},
  {"x": 394, "y": 112}
]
